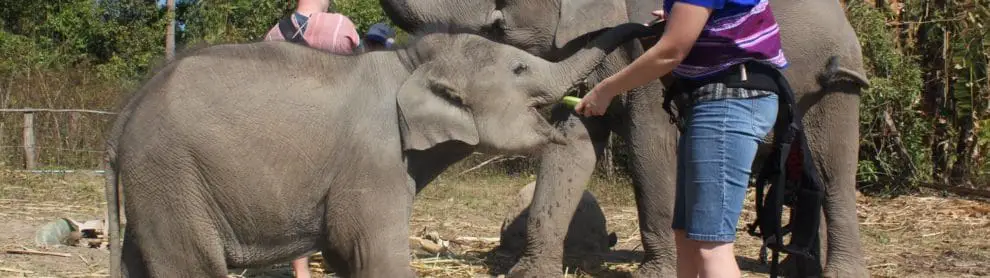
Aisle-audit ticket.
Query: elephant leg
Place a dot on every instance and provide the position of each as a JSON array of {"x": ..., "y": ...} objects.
[
  {"x": 177, "y": 238},
  {"x": 834, "y": 139},
  {"x": 652, "y": 142},
  {"x": 563, "y": 176},
  {"x": 132, "y": 262},
  {"x": 368, "y": 233}
]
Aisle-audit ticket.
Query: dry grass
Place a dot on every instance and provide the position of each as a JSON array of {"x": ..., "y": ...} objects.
[{"x": 907, "y": 236}]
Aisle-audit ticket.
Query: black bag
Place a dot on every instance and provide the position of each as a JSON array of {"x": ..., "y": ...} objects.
[
  {"x": 794, "y": 182},
  {"x": 289, "y": 30}
]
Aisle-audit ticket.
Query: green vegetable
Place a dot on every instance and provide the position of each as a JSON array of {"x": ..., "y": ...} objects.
[{"x": 571, "y": 101}]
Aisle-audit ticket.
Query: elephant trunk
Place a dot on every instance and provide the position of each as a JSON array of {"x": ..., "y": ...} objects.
[
  {"x": 576, "y": 68},
  {"x": 414, "y": 15}
]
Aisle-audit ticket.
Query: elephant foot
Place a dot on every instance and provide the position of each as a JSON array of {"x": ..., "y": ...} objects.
[
  {"x": 654, "y": 269},
  {"x": 792, "y": 267},
  {"x": 592, "y": 264},
  {"x": 532, "y": 268},
  {"x": 846, "y": 270}
]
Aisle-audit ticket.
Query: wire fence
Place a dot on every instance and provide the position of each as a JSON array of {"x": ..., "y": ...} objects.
[
  {"x": 72, "y": 140},
  {"x": 33, "y": 139}
]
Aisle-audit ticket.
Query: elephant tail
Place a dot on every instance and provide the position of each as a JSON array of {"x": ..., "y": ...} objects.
[
  {"x": 834, "y": 70},
  {"x": 112, "y": 191},
  {"x": 613, "y": 239}
]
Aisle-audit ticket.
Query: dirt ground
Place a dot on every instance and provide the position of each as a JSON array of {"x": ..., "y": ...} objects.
[{"x": 906, "y": 236}]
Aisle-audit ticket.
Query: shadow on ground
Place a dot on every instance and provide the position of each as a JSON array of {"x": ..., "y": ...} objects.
[{"x": 499, "y": 264}]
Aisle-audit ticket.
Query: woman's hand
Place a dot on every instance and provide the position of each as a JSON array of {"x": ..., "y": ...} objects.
[
  {"x": 661, "y": 16},
  {"x": 594, "y": 103}
]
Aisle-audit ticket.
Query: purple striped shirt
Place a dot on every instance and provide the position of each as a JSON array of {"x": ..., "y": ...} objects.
[{"x": 734, "y": 34}]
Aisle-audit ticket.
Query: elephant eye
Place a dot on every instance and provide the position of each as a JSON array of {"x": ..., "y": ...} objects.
[{"x": 520, "y": 68}]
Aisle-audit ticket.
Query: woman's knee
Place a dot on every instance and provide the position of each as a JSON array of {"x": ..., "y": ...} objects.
[{"x": 708, "y": 250}]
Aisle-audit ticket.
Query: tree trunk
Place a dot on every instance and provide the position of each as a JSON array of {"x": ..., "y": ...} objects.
[
  {"x": 932, "y": 42},
  {"x": 940, "y": 144},
  {"x": 170, "y": 30},
  {"x": 964, "y": 146}
]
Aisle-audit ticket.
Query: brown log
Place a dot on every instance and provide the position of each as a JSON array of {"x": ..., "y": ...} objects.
[
  {"x": 425, "y": 245},
  {"x": 963, "y": 191}
]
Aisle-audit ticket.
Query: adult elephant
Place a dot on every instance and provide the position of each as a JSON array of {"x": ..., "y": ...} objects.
[{"x": 812, "y": 30}]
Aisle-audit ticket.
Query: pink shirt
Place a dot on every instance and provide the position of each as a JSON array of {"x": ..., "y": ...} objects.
[{"x": 326, "y": 31}]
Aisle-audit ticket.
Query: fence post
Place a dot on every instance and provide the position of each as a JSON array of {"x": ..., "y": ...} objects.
[
  {"x": 3, "y": 156},
  {"x": 30, "y": 156}
]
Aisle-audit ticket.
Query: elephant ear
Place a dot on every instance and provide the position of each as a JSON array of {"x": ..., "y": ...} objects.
[
  {"x": 578, "y": 17},
  {"x": 431, "y": 112}
]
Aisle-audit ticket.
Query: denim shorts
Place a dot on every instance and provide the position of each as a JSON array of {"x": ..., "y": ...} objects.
[{"x": 714, "y": 160}]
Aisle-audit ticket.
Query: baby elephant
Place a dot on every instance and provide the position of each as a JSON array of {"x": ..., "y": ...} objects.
[
  {"x": 246, "y": 155},
  {"x": 587, "y": 238}
]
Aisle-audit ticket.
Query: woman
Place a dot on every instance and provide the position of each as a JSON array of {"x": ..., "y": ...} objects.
[
  {"x": 313, "y": 23},
  {"x": 732, "y": 107}
]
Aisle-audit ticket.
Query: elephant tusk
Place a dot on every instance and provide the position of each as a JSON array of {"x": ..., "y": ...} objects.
[
  {"x": 832, "y": 69},
  {"x": 557, "y": 138},
  {"x": 856, "y": 75}
]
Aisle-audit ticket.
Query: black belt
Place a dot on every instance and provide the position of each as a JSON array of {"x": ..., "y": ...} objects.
[{"x": 750, "y": 75}]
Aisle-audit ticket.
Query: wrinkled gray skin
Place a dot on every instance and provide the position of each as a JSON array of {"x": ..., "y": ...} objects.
[
  {"x": 247, "y": 155},
  {"x": 812, "y": 31},
  {"x": 587, "y": 237}
]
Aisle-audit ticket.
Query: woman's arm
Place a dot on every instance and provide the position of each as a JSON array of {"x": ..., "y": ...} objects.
[{"x": 684, "y": 25}]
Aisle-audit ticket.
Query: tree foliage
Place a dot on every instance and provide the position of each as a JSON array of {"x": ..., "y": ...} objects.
[{"x": 928, "y": 62}]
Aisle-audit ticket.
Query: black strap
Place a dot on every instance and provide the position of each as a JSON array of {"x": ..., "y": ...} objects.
[
  {"x": 289, "y": 31},
  {"x": 795, "y": 182}
]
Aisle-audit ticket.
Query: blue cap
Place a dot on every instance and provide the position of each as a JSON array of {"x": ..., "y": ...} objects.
[{"x": 379, "y": 32}]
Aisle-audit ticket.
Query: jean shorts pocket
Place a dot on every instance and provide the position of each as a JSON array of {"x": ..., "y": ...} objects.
[{"x": 764, "y": 114}]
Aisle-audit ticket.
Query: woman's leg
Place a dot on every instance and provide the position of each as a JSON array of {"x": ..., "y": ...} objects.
[
  {"x": 719, "y": 150},
  {"x": 687, "y": 259},
  {"x": 300, "y": 267},
  {"x": 718, "y": 259}
]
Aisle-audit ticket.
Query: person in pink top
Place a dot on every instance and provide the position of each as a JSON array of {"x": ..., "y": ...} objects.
[{"x": 312, "y": 25}]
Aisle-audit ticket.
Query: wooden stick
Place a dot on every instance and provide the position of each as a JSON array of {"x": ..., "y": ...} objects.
[
  {"x": 33, "y": 252},
  {"x": 892, "y": 126},
  {"x": 465, "y": 239},
  {"x": 480, "y": 165},
  {"x": 16, "y": 270},
  {"x": 493, "y": 159}
]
